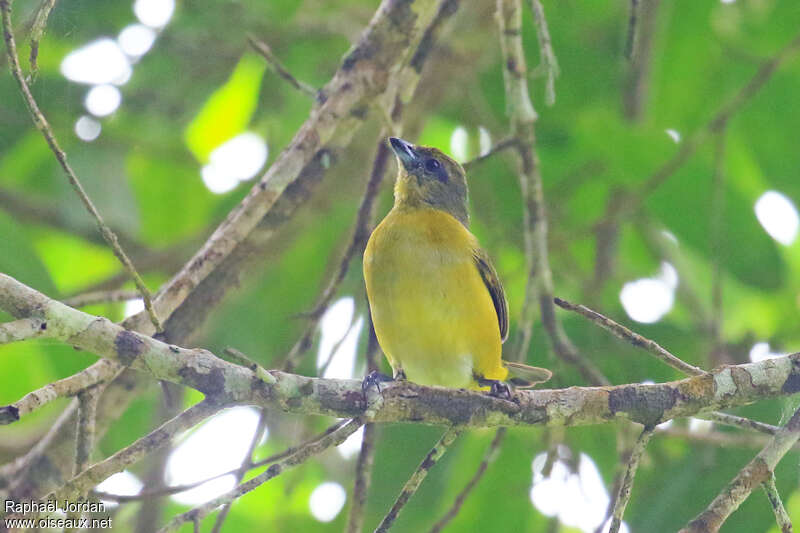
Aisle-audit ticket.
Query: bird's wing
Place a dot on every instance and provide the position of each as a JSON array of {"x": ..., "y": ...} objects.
[{"x": 492, "y": 282}]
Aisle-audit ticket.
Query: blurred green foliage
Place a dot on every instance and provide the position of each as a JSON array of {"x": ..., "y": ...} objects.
[{"x": 199, "y": 86}]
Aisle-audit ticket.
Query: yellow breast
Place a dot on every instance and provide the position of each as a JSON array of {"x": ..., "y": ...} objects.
[{"x": 433, "y": 315}]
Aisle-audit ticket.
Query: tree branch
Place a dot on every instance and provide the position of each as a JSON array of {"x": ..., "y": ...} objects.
[
  {"x": 416, "y": 479},
  {"x": 781, "y": 516},
  {"x": 246, "y": 465},
  {"x": 100, "y": 372},
  {"x": 624, "y": 494},
  {"x": 756, "y": 472},
  {"x": 149, "y": 494},
  {"x": 87, "y": 479},
  {"x": 266, "y": 52},
  {"x": 98, "y": 297},
  {"x": 366, "y": 455},
  {"x": 22, "y": 329},
  {"x": 37, "y": 31},
  {"x": 488, "y": 458},
  {"x": 638, "y": 52},
  {"x": 547, "y": 57},
  {"x": 303, "y": 453},
  {"x": 403, "y": 401},
  {"x": 634, "y": 338}
]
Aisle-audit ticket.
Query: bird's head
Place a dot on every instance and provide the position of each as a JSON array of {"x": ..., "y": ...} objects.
[{"x": 427, "y": 176}]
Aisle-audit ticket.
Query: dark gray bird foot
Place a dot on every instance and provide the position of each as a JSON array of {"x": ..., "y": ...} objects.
[
  {"x": 374, "y": 379},
  {"x": 497, "y": 389}
]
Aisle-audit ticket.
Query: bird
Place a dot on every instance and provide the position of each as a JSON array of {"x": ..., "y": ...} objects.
[{"x": 437, "y": 304}]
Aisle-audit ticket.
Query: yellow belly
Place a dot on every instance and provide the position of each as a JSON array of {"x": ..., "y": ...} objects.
[{"x": 433, "y": 315}]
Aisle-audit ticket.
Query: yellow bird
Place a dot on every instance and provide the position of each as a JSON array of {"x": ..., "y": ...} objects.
[{"x": 437, "y": 305}]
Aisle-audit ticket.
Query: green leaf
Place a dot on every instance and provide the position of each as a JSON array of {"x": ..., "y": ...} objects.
[{"x": 228, "y": 110}]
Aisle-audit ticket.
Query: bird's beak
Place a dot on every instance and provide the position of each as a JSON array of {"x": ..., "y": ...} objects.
[{"x": 405, "y": 152}]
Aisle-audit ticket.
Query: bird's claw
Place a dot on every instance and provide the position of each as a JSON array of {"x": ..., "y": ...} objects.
[
  {"x": 374, "y": 379},
  {"x": 500, "y": 390}
]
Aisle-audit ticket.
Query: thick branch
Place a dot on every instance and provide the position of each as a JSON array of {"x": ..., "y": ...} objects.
[{"x": 646, "y": 404}]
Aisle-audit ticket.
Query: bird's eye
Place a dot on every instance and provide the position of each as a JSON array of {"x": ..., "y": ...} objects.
[{"x": 432, "y": 165}]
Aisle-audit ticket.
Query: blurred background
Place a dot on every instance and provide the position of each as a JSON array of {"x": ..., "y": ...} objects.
[{"x": 168, "y": 117}]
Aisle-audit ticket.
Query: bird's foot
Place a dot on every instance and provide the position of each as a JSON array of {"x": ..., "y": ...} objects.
[
  {"x": 497, "y": 389},
  {"x": 374, "y": 379},
  {"x": 500, "y": 390}
]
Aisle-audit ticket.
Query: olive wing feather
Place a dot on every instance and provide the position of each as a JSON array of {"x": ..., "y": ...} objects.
[{"x": 492, "y": 282}]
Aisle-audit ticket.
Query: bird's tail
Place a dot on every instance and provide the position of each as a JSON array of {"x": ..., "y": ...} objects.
[{"x": 524, "y": 376}]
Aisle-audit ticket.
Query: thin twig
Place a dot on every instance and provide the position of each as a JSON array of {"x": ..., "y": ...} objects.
[
  {"x": 781, "y": 516},
  {"x": 719, "y": 119},
  {"x": 638, "y": 52},
  {"x": 87, "y": 410},
  {"x": 44, "y": 128},
  {"x": 740, "y": 422},
  {"x": 246, "y": 464},
  {"x": 717, "y": 231},
  {"x": 37, "y": 31},
  {"x": 654, "y": 348},
  {"x": 499, "y": 146},
  {"x": 98, "y": 297},
  {"x": 523, "y": 116},
  {"x": 301, "y": 455},
  {"x": 150, "y": 512},
  {"x": 336, "y": 345},
  {"x": 21, "y": 330},
  {"x": 266, "y": 52},
  {"x": 627, "y": 436},
  {"x": 103, "y": 371},
  {"x": 757, "y": 471},
  {"x": 174, "y": 489},
  {"x": 85, "y": 435},
  {"x": 28, "y": 209},
  {"x": 634, "y": 338},
  {"x": 624, "y": 494},
  {"x": 129, "y": 455},
  {"x": 363, "y": 477},
  {"x": 488, "y": 457},
  {"x": 238, "y": 358},
  {"x": 547, "y": 57},
  {"x": 366, "y": 456},
  {"x": 417, "y": 477},
  {"x": 630, "y": 40}
]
